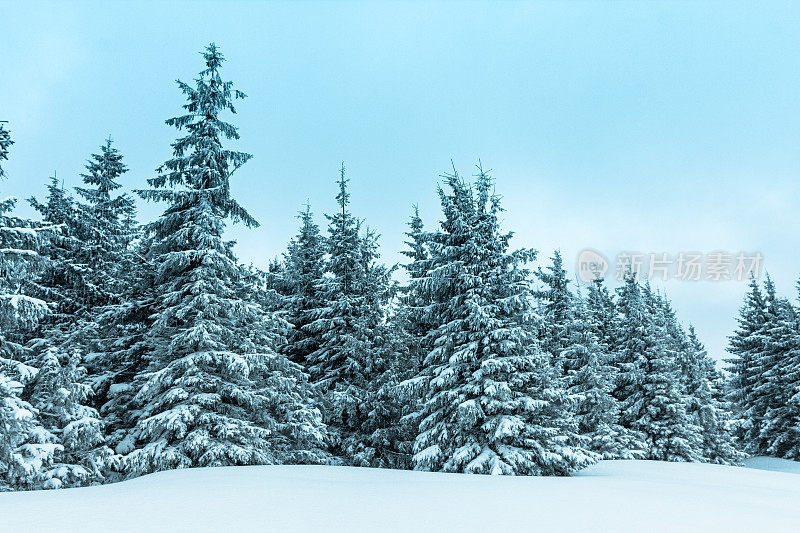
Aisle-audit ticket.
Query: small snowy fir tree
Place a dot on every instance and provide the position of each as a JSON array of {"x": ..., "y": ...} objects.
[
  {"x": 300, "y": 284},
  {"x": 27, "y": 449},
  {"x": 493, "y": 404},
  {"x": 648, "y": 388},
  {"x": 780, "y": 433},
  {"x": 108, "y": 219},
  {"x": 706, "y": 404},
  {"x": 215, "y": 392},
  {"x": 589, "y": 381},
  {"x": 350, "y": 325},
  {"x": 413, "y": 302},
  {"x": 556, "y": 301},
  {"x": 59, "y": 394},
  {"x": 746, "y": 346},
  {"x": 602, "y": 315},
  {"x": 65, "y": 281}
]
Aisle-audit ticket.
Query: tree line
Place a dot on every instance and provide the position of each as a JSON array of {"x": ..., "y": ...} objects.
[{"x": 131, "y": 348}]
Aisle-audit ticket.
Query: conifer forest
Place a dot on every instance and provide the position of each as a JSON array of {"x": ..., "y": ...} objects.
[{"x": 132, "y": 346}]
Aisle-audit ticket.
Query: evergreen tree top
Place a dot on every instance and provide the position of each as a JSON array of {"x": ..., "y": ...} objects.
[
  {"x": 416, "y": 244},
  {"x": 200, "y": 164},
  {"x": 751, "y": 314},
  {"x": 102, "y": 171},
  {"x": 303, "y": 259},
  {"x": 343, "y": 198},
  {"x": 345, "y": 244},
  {"x": 557, "y": 294},
  {"x": 60, "y": 205}
]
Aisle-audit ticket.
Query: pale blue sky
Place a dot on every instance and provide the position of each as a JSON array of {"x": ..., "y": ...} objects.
[{"x": 647, "y": 126}]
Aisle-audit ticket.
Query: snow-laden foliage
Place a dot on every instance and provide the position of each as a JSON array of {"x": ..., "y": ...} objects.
[
  {"x": 355, "y": 344},
  {"x": 214, "y": 391},
  {"x": 27, "y": 449},
  {"x": 127, "y": 349},
  {"x": 59, "y": 394},
  {"x": 652, "y": 401},
  {"x": 556, "y": 301},
  {"x": 493, "y": 404},
  {"x": 297, "y": 279},
  {"x": 704, "y": 386},
  {"x": 765, "y": 374},
  {"x": 589, "y": 381}
]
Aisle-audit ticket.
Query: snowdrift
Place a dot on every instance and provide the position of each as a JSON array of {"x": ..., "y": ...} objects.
[{"x": 610, "y": 496}]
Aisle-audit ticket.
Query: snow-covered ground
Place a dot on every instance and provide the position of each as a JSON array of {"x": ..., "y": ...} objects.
[{"x": 610, "y": 496}]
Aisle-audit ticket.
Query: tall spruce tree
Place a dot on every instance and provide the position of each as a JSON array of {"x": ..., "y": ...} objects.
[
  {"x": 109, "y": 220},
  {"x": 412, "y": 323},
  {"x": 764, "y": 393},
  {"x": 215, "y": 392},
  {"x": 492, "y": 404},
  {"x": 112, "y": 265}
]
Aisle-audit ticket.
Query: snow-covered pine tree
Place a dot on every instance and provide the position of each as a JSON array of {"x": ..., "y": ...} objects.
[
  {"x": 780, "y": 432},
  {"x": 699, "y": 379},
  {"x": 215, "y": 392},
  {"x": 111, "y": 265},
  {"x": 632, "y": 339},
  {"x": 746, "y": 346},
  {"x": 411, "y": 323},
  {"x": 556, "y": 302},
  {"x": 648, "y": 387},
  {"x": 602, "y": 314},
  {"x": 413, "y": 305},
  {"x": 355, "y": 343},
  {"x": 590, "y": 380},
  {"x": 109, "y": 220},
  {"x": 26, "y": 448},
  {"x": 65, "y": 279},
  {"x": 705, "y": 402},
  {"x": 493, "y": 404},
  {"x": 59, "y": 394},
  {"x": 300, "y": 279},
  {"x": 765, "y": 392},
  {"x": 71, "y": 431}
]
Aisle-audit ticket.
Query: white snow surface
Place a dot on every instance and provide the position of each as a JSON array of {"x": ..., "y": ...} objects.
[{"x": 610, "y": 496}]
